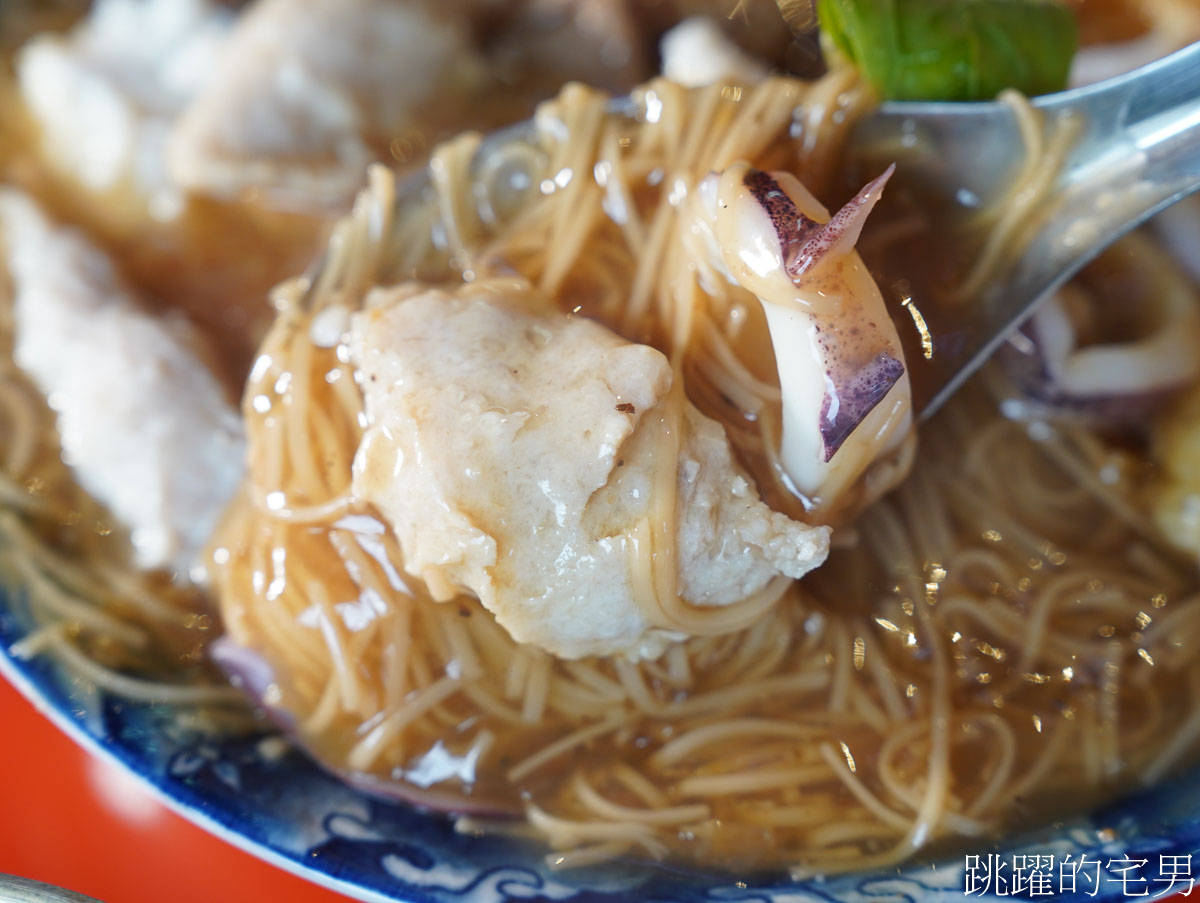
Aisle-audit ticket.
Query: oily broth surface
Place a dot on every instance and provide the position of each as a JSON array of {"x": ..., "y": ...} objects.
[
  {"x": 872, "y": 627},
  {"x": 932, "y": 620},
  {"x": 1002, "y": 639}
]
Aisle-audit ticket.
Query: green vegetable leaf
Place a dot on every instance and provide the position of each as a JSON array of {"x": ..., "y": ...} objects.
[{"x": 953, "y": 49}]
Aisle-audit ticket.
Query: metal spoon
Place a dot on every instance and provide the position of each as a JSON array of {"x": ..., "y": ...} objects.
[
  {"x": 24, "y": 890},
  {"x": 1138, "y": 151}
]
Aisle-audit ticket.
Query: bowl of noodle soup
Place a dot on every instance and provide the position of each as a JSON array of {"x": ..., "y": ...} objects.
[{"x": 1000, "y": 651}]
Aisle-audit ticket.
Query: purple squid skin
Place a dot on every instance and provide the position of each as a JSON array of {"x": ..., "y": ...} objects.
[
  {"x": 848, "y": 401},
  {"x": 804, "y": 241},
  {"x": 250, "y": 672},
  {"x": 851, "y": 390},
  {"x": 1125, "y": 412},
  {"x": 790, "y": 225}
]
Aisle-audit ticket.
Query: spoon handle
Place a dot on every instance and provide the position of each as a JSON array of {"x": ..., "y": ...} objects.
[
  {"x": 24, "y": 890},
  {"x": 1136, "y": 151},
  {"x": 1150, "y": 116},
  {"x": 1139, "y": 151}
]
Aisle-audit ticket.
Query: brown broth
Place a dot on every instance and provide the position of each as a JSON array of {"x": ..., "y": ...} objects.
[{"x": 216, "y": 265}]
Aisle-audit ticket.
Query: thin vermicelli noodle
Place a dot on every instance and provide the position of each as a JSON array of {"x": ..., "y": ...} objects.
[
  {"x": 1018, "y": 213},
  {"x": 984, "y": 650},
  {"x": 1004, "y": 639}
]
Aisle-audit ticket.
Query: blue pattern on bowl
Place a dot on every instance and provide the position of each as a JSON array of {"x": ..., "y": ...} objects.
[{"x": 274, "y": 802}]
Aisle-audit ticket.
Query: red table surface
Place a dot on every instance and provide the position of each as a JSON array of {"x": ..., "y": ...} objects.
[
  {"x": 72, "y": 820},
  {"x": 69, "y": 819}
]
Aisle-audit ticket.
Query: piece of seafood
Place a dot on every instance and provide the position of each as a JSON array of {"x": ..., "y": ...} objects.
[
  {"x": 306, "y": 91},
  {"x": 105, "y": 93},
  {"x": 555, "y": 470},
  {"x": 847, "y": 406},
  {"x": 143, "y": 423}
]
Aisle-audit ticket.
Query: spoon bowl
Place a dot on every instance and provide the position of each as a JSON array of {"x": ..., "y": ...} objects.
[{"x": 1125, "y": 149}]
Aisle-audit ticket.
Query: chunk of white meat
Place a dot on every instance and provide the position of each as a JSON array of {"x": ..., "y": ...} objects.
[
  {"x": 515, "y": 453},
  {"x": 730, "y": 543},
  {"x": 143, "y": 423},
  {"x": 304, "y": 86},
  {"x": 696, "y": 52},
  {"x": 105, "y": 93}
]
